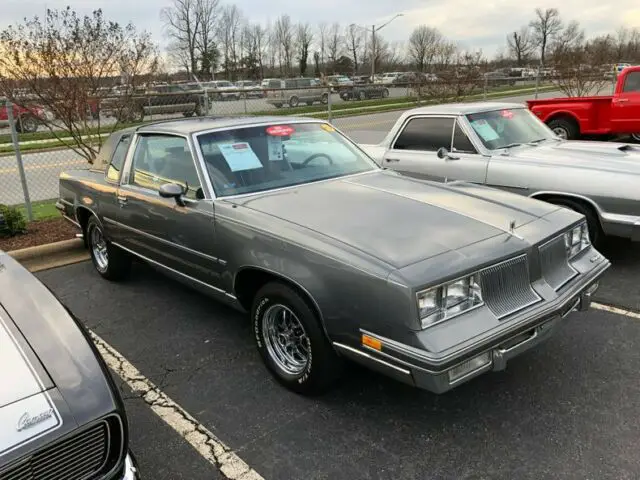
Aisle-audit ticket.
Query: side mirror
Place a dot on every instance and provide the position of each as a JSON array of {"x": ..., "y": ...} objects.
[
  {"x": 444, "y": 154},
  {"x": 172, "y": 190}
]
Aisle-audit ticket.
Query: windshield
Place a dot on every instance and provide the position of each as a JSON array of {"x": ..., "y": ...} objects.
[
  {"x": 509, "y": 127},
  {"x": 254, "y": 159}
]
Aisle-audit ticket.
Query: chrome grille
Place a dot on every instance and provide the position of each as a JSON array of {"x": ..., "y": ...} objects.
[
  {"x": 79, "y": 457},
  {"x": 555, "y": 264},
  {"x": 506, "y": 287}
]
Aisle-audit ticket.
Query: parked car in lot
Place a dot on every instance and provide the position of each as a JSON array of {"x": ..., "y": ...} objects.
[
  {"x": 388, "y": 78},
  {"x": 364, "y": 92},
  {"x": 602, "y": 115},
  {"x": 220, "y": 90},
  {"x": 503, "y": 145},
  {"x": 293, "y": 91},
  {"x": 161, "y": 99},
  {"x": 334, "y": 257},
  {"x": 339, "y": 83},
  {"x": 61, "y": 413},
  {"x": 27, "y": 119},
  {"x": 249, "y": 89}
]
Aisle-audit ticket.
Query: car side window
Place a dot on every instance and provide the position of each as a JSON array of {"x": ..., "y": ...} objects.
[
  {"x": 290, "y": 83},
  {"x": 161, "y": 159},
  {"x": 117, "y": 160},
  {"x": 425, "y": 134},
  {"x": 461, "y": 142},
  {"x": 632, "y": 82}
]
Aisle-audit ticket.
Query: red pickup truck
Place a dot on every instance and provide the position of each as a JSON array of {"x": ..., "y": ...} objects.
[
  {"x": 27, "y": 119},
  {"x": 607, "y": 115}
]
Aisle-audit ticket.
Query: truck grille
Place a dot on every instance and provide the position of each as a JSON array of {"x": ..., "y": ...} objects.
[
  {"x": 506, "y": 287},
  {"x": 555, "y": 264},
  {"x": 81, "y": 456}
]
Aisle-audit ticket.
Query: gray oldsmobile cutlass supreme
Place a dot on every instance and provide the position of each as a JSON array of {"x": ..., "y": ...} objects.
[
  {"x": 334, "y": 257},
  {"x": 61, "y": 415}
]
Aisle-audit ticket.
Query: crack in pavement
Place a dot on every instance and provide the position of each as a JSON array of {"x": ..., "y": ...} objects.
[{"x": 225, "y": 460}]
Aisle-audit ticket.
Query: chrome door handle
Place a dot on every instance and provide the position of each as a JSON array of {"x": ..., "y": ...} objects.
[
  {"x": 621, "y": 100},
  {"x": 392, "y": 160}
]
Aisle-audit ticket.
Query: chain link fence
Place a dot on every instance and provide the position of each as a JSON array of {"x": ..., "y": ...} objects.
[{"x": 32, "y": 155}]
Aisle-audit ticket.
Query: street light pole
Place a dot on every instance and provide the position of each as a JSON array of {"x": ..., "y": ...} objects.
[{"x": 373, "y": 41}]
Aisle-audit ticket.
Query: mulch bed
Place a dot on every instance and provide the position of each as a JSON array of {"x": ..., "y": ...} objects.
[{"x": 39, "y": 233}]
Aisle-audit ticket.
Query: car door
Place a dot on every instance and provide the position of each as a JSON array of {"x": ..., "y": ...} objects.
[
  {"x": 180, "y": 237},
  {"x": 625, "y": 107},
  {"x": 414, "y": 151}
]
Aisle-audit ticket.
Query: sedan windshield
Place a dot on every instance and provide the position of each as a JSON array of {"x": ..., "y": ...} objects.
[
  {"x": 508, "y": 128},
  {"x": 259, "y": 158}
]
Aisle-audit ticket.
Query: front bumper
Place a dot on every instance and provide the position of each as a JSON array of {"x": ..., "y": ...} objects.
[
  {"x": 418, "y": 369},
  {"x": 626, "y": 226}
]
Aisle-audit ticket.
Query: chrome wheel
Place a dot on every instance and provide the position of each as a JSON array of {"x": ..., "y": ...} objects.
[
  {"x": 99, "y": 249},
  {"x": 561, "y": 132},
  {"x": 286, "y": 339},
  {"x": 636, "y": 136}
]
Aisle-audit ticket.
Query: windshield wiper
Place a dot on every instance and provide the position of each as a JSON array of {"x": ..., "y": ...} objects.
[
  {"x": 536, "y": 142},
  {"x": 511, "y": 145}
]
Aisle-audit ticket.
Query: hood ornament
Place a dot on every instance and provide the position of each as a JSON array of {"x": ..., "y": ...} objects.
[
  {"x": 512, "y": 226},
  {"x": 26, "y": 421}
]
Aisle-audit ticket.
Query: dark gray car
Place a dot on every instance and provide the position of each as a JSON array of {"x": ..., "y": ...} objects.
[
  {"x": 61, "y": 415},
  {"x": 332, "y": 256}
]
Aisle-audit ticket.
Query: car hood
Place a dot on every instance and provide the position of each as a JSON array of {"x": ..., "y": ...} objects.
[
  {"x": 397, "y": 219},
  {"x": 602, "y": 156},
  {"x": 52, "y": 380}
]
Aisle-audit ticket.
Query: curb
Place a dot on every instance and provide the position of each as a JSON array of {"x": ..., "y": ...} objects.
[{"x": 51, "y": 255}]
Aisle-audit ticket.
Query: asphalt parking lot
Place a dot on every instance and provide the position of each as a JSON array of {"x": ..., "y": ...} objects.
[{"x": 568, "y": 409}]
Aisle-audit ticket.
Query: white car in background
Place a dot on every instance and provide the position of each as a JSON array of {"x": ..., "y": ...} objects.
[
  {"x": 222, "y": 90},
  {"x": 388, "y": 78}
]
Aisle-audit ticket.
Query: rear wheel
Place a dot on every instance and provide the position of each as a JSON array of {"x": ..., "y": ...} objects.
[
  {"x": 362, "y": 95},
  {"x": 291, "y": 341},
  {"x": 385, "y": 93},
  {"x": 294, "y": 101},
  {"x": 110, "y": 261},
  {"x": 27, "y": 124},
  {"x": 595, "y": 230},
  {"x": 565, "y": 128},
  {"x": 636, "y": 136},
  {"x": 324, "y": 99}
]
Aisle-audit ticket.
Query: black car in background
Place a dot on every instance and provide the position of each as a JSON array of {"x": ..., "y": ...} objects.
[
  {"x": 364, "y": 91},
  {"x": 61, "y": 414}
]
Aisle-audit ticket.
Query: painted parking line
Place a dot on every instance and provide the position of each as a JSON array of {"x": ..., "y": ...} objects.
[
  {"x": 226, "y": 461},
  {"x": 616, "y": 310}
]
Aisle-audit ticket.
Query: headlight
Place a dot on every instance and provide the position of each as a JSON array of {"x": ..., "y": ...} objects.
[
  {"x": 445, "y": 301},
  {"x": 576, "y": 240}
]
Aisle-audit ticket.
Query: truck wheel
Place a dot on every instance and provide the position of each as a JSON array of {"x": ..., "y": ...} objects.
[
  {"x": 564, "y": 128},
  {"x": 291, "y": 341},
  {"x": 294, "y": 101},
  {"x": 27, "y": 124},
  {"x": 596, "y": 234},
  {"x": 110, "y": 262},
  {"x": 636, "y": 136}
]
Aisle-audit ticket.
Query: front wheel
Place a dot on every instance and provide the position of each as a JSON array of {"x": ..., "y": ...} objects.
[
  {"x": 564, "y": 128},
  {"x": 27, "y": 124},
  {"x": 324, "y": 99},
  {"x": 291, "y": 341},
  {"x": 110, "y": 262},
  {"x": 385, "y": 93}
]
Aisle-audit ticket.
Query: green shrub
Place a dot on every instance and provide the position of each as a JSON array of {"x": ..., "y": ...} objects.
[{"x": 12, "y": 221}]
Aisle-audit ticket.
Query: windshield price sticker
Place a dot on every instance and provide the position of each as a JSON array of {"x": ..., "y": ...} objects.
[
  {"x": 274, "y": 144},
  {"x": 280, "y": 130},
  {"x": 485, "y": 130},
  {"x": 239, "y": 156},
  {"x": 327, "y": 128}
]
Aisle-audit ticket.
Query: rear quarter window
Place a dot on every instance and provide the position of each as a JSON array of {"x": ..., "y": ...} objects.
[{"x": 117, "y": 160}]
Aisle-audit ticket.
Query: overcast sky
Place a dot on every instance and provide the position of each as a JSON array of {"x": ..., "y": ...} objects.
[{"x": 474, "y": 24}]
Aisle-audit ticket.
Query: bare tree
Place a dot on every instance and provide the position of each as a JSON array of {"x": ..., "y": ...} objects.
[
  {"x": 334, "y": 44},
  {"x": 182, "y": 24},
  {"x": 574, "y": 60},
  {"x": 353, "y": 42},
  {"x": 207, "y": 12},
  {"x": 423, "y": 46},
  {"x": 229, "y": 33},
  {"x": 68, "y": 63},
  {"x": 545, "y": 27},
  {"x": 285, "y": 37},
  {"x": 520, "y": 45},
  {"x": 304, "y": 37},
  {"x": 260, "y": 38},
  {"x": 322, "y": 41}
]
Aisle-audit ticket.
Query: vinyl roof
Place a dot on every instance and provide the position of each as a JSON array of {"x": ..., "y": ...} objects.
[{"x": 199, "y": 124}]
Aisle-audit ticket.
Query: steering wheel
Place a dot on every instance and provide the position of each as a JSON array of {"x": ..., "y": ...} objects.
[{"x": 317, "y": 155}]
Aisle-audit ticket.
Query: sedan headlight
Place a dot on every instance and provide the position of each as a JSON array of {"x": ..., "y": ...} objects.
[
  {"x": 576, "y": 240},
  {"x": 445, "y": 301}
]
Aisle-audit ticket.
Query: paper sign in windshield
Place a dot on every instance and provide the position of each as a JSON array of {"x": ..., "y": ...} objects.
[
  {"x": 280, "y": 130},
  {"x": 274, "y": 144},
  {"x": 239, "y": 156},
  {"x": 485, "y": 130}
]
